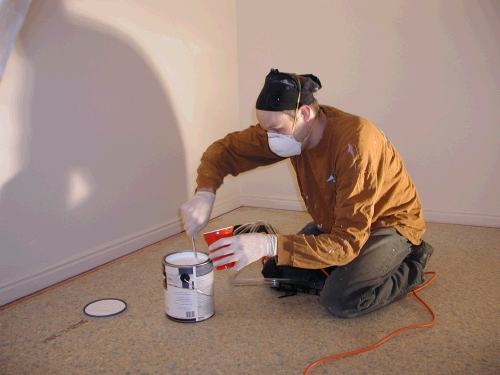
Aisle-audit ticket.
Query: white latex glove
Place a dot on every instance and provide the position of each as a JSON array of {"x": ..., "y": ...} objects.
[
  {"x": 196, "y": 212},
  {"x": 244, "y": 249}
]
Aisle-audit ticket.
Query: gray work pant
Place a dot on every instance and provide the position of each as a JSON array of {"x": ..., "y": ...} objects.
[{"x": 378, "y": 276}]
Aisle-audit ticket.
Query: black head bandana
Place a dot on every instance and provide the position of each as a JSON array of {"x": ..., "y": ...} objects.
[{"x": 281, "y": 91}]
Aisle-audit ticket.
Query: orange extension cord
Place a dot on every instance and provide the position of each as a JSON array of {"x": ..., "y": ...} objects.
[{"x": 373, "y": 346}]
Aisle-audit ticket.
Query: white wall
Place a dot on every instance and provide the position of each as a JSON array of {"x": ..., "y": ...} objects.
[
  {"x": 107, "y": 106},
  {"x": 105, "y": 110},
  {"x": 426, "y": 72}
]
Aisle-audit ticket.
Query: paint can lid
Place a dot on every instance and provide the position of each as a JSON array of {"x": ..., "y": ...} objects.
[{"x": 106, "y": 307}]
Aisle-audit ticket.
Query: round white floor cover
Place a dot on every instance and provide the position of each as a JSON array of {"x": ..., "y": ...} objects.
[{"x": 105, "y": 307}]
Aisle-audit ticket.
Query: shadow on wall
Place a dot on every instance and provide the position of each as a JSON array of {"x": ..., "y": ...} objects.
[{"x": 104, "y": 157}]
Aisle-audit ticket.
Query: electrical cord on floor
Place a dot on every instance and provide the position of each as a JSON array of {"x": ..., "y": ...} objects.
[
  {"x": 373, "y": 346},
  {"x": 257, "y": 227}
]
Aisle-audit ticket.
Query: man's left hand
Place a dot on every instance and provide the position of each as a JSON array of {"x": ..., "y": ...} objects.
[{"x": 244, "y": 249}]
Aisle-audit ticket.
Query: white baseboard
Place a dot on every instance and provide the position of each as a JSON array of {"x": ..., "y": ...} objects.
[
  {"x": 85, "y": 261},
  {"x": 276, "y": 202},
  {"x": 290, "y": 203},
  {"x": 222, "y": 207},
  {"x": 32, "y": 283},
  {"x": 473, "y": 219}
]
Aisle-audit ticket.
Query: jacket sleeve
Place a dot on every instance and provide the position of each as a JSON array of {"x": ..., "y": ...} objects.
[
  {"x": 236, "y": 153},
  {"x": 359, "y": 174}
]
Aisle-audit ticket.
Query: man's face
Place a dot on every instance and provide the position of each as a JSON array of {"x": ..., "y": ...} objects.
[
  {"x": 275, "y": 122},
  {"x": 282, "y": 123}
]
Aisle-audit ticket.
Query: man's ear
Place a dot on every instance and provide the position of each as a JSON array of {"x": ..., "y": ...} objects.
[{"x": 306, "y": 112}]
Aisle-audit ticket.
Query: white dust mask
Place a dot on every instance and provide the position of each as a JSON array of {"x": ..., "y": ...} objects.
[{"x": 284, "y": 145}]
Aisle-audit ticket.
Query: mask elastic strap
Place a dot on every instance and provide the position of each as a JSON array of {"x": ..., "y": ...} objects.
[
  {"x": 297, "y": 109},
  {"x": 312, "y": 127},
  {"x": 298, "y": 102}
]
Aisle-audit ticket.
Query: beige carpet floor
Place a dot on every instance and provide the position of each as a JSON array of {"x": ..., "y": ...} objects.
[{"x": 255, "y": 332}]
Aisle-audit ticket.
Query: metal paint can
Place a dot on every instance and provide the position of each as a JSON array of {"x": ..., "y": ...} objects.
[{"x": 188, "y": 286}]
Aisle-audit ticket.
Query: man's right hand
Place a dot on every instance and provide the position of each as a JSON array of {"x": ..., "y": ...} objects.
[{"x": 196, "y": 212}]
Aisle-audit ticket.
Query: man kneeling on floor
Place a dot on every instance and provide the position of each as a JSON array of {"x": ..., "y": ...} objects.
[{"x": 367, "y": 216}]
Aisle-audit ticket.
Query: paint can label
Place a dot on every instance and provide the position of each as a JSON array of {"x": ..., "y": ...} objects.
[{"x": 188, "y": 287}]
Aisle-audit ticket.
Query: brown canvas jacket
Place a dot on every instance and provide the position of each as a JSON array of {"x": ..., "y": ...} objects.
[{"x": 352, "y": 182}]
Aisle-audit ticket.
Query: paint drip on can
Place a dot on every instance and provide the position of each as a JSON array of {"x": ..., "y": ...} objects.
[{"x": 188, "y": 286}]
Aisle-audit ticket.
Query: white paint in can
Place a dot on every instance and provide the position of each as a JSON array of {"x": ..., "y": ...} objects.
[{"x": 189, "y": 286}]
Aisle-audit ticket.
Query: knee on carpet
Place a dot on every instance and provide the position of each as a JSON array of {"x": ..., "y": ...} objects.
[
  {"x": 337, "y": 305},
  {"x": 339, "y": 311}
]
